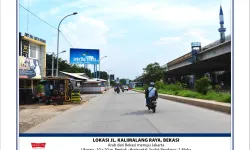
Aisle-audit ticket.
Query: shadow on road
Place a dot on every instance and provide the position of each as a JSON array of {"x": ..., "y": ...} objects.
[
  {"x": 131, "y": 93},
  {"x": 138, "y": 112}
]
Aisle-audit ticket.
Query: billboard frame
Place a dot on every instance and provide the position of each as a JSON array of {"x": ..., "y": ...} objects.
[{"x": 82, "y": 62}]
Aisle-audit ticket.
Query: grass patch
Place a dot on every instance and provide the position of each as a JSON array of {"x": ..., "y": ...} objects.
[
  {"x": 139, "y": 88},
  {"x": 211, "y": 95}
]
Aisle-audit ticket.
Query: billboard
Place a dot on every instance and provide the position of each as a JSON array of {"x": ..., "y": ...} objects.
[
  {"x": 84, "y": 56},
  {"x": 29, "y": 68}
]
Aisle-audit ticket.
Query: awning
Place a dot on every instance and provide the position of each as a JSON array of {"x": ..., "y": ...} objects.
[{"x": 75, "y": 75}]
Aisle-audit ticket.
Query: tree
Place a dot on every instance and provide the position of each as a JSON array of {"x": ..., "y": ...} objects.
[
  {"x": 64, "y": 66},
  {"x": 112, "y": 83},
  {"x": 153, "y": 72},
  {"x": 123, "y": 81}
]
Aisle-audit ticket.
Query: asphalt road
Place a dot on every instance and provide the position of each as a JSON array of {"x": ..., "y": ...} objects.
[{"x": 126, "y": 113}]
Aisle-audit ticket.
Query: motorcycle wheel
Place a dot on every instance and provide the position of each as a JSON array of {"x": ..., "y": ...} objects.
[
  {"x": 48, "y": 102},
  {"x": 60, "y": 102},
  {"x": 154, "y": 109}
]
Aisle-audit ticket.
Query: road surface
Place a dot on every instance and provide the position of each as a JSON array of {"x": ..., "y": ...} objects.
[{"x": 126, "y": 113}]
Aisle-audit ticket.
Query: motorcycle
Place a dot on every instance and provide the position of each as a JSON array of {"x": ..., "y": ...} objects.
[
  {"x": 115, "y": 89},
  {"x": 118, "y": 90},
  {"x": 152, "y": 104}
]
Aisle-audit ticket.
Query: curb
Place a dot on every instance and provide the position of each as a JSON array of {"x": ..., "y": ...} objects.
[{"x": 209, "y": 104}]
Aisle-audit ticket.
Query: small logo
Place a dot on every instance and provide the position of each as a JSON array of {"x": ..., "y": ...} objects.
[
  {"x": 85, "y": 54},
  {"x": 36, "y": 146}
]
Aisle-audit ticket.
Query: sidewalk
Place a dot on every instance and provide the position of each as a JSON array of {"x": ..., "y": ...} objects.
[{"x": 209, "y": 104}]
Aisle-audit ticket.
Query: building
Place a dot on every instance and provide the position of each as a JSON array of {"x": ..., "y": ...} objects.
[
  {"x": 32, "y": 65},
  {"x": 86, "y": 85},
  {"x": 112, "y": 77}
]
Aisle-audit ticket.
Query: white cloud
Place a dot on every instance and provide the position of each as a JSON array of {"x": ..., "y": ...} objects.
[
  {"x": 191, "y": 35},
  {"x": 178, "y": 15},
  {"x": 82, "y": 33},
  {"x": 86, "y": 32},
  {"x": 119, "y": 34},
  {"x": 167, "y": 40},
  {"x": 197, "y": 35},
  {"x": 92, "y": 31},
  {"x": 54, "y": 11}
]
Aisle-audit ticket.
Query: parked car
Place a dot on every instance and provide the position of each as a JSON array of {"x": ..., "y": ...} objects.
[{"x": 125, "y": 88}]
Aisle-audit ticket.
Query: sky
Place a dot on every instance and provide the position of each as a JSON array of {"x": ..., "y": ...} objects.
[{"x": 131, "y": 33}]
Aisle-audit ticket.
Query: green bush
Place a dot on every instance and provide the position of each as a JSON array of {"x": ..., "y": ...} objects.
[
  {"x": 177, "y": 89},
  {"x": 203, "y": 85},
  {"x": 173, "y": 87},
  {"x": 184, "y": 85},
  {"x": 221, "y": 97},
  {"x": 39, "y": 88},
  {"x": 217, "y": 88},
  {"x": 159, "y": 85},
  {"x": 187, "y": 93}
]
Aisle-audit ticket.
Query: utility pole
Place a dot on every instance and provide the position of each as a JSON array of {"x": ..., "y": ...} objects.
[{"x": 52, "y": 64}]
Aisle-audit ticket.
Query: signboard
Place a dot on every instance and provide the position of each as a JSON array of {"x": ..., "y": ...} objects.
[
  {"x": 195, "y": 44},
  {"x": 25, "y": 48},
  {"x": 35, "y": 38},
  {"x": 29, "y": 68},
  {"x": 84, "y": 56}
]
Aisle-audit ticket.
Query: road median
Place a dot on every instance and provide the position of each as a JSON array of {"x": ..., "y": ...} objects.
[{"x": 209, "y": 104}]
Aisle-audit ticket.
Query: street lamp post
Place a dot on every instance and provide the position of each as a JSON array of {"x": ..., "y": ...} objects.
[
  {"x": 100, "y": 66},
  {"x": 58, "y": 39},
  {"x": 108, "y": 77}
]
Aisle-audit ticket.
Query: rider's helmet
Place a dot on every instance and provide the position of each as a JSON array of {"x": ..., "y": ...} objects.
[{"x": 152, "y": 84}]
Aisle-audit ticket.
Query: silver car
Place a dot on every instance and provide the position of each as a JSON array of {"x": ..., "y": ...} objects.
[{"x": 125, "y": 88}]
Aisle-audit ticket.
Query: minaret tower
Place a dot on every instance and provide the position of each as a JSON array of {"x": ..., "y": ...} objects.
[{"x": 222, "y": 30}]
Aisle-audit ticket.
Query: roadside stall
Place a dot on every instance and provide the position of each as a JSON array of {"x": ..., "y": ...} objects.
[
  {"x": 57, "y": 89},
  {"x": 94, "y": 86}
]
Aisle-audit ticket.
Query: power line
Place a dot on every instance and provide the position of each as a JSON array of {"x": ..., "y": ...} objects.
[
  {"x": 38, "y": 17},
  {"x": 46, "y": 23},
  {"x": 65, "y": 39}
]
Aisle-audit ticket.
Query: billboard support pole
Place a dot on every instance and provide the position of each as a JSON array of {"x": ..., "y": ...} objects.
[
  {"x": 100, "y": 66},
  {"x": 94, "y": 70}
]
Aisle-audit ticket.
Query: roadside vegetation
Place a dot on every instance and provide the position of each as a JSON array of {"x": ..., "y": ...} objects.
[
  {"x": 203, "y": 89},
  {"x": 178, "y": 90}
]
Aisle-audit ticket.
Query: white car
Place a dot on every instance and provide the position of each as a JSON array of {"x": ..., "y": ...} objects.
[{"x": 125, "y": 88}]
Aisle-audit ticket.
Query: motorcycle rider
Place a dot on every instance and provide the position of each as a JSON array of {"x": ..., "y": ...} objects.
[
  {"x": 117, "y": 87},
  {"x": 150, "y": 92}
]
